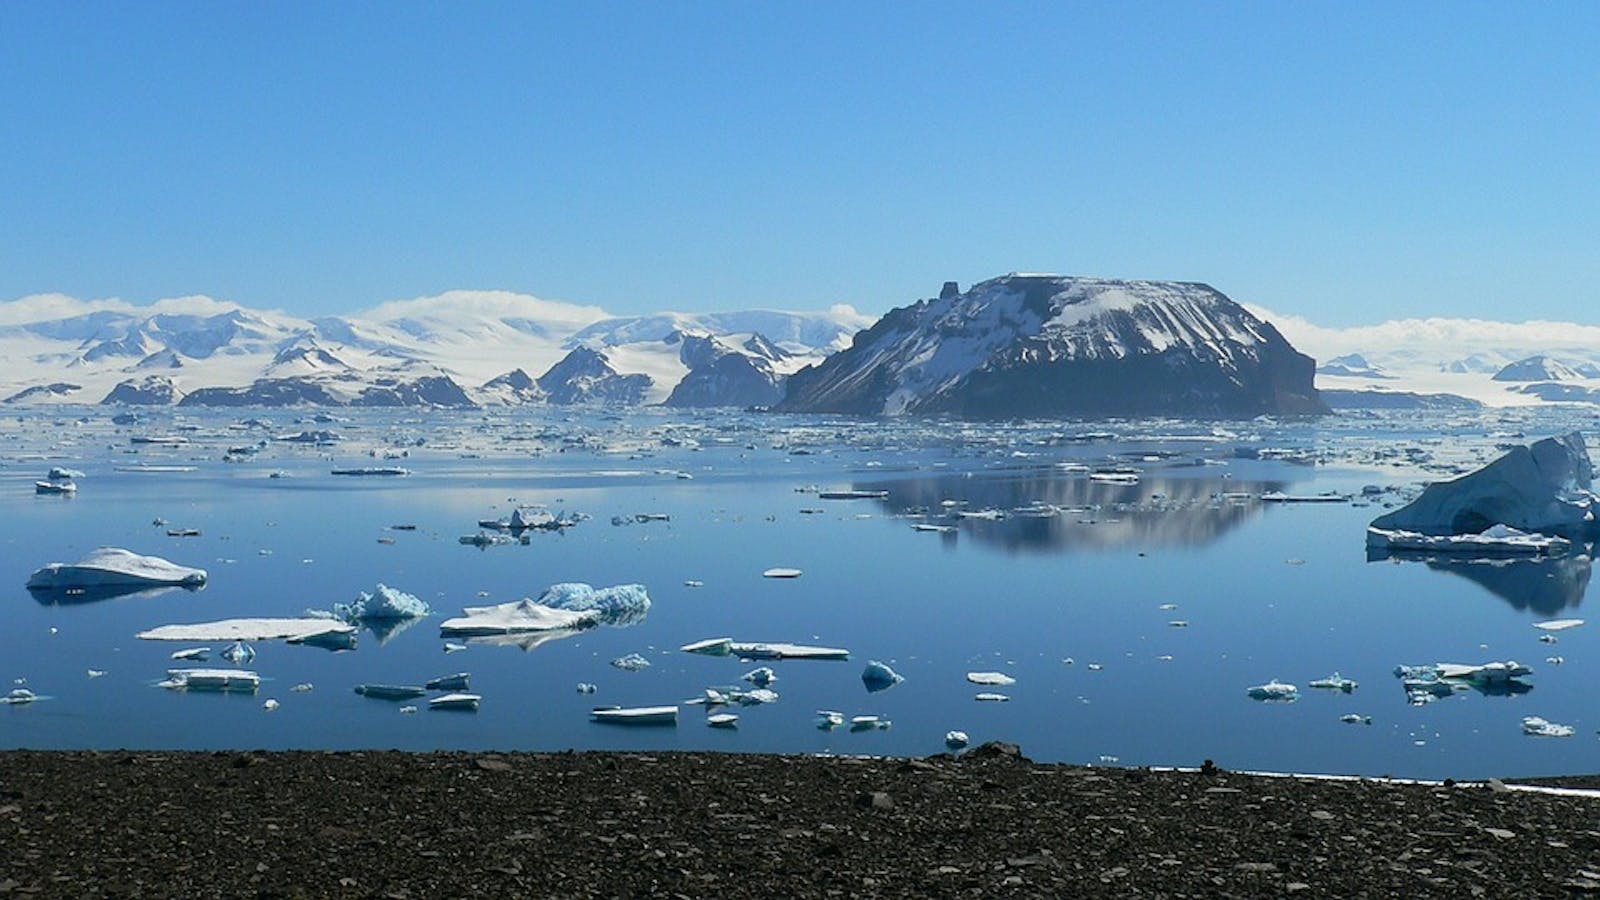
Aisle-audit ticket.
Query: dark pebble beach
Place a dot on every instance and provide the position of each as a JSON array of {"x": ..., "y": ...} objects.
[{"x": 592, "y": 824}]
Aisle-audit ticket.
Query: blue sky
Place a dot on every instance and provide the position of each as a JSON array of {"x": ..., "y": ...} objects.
[{"x": 1348, "y": 162}]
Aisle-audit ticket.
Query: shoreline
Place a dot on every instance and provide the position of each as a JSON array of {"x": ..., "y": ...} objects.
[{"x": 603, "y": 824}]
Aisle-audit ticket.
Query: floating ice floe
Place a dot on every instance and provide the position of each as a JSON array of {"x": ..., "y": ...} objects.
[
  {"x": 760, "y": 676},
  {"x": 762, "y": 649},
  {"x": 484, "y": 539},
  {"x": 1353, "y": 719},
  {"x": 465, "y": 702},
  {"x": 61, "y": 473},
  {"x": 638, "y": 715},
  {"x": 723, "y": 720},
  {"x": 780, "y": 572},
  {"x": 1544, "y": 488},
  {"x": 633, "y": 662},
  {"x": 1496, "y": 540},
  {"x": 869, "y": 723},
  {"x": 991, "y": 697},
  {"x": 109, "y": 566},
  {"x": 19, "y": 696},
  {"x": 383, "y": 604},
  {"x": 852, "y": 495},
  {"x": 450, "y": 647},
  {"x": 212, "y": 680},
  {"x": 518, "y": 616},
  {"x": 390, "y": 691},
  {"x": 992, "y": 679},
  {"x": 456, "y": 682},
  {"x": 1335, "y": 682},
  {"x": 955, "y": 740},
  {"x": 1558, "y": 624},
  {"x": 299, "y": 630},
  {"x": 1537, "y": 726},
  {"x": 54, "y": 487},
  {"x": 359, "y": 471},
  {"x": 1426, "y": 683},
  {"x": 878, "y": 676},
  {"x": 828, "y": 719},
  {"x": 1274, "y": 690},
  {"x": 194, "y": 653}
]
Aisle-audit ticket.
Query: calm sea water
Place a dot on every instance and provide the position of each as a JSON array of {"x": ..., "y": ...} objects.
[{"x": 1070, "y": 605}]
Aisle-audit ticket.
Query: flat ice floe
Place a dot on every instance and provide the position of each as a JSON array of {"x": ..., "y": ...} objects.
[
  {"x": 1496, "y": 540},
  {"x": 109, "y": 566},
  {"x": 249, "y": 630},
  {"x": 518, "y": 616}
]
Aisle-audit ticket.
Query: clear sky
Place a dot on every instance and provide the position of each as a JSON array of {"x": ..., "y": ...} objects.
[{"x": 1344, "y": 161}]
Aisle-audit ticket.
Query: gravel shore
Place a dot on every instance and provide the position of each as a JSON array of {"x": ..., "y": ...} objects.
[{"x": 409, "y": 825}]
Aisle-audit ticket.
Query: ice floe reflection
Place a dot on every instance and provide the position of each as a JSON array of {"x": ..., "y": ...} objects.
[{"x": 1543, "y": 584}]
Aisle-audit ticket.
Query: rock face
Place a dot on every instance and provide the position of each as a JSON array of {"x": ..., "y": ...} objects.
[
  {"x": 721, "y": 374},
  {"x": 428, "y": 390},
  {"x": 1544, "y": 488},
  {"x": 1046, "y": 345},
  {"x": 265, "y": 392},
  {"x": 1352, "y": 365},
  {"x": 151, "y": 390},
  {"x": 514, "y": 388},
  {"x": 1342, "y": 399},
  {"x": 54, "y": 389},
  {"x": 586, "y": 376}
]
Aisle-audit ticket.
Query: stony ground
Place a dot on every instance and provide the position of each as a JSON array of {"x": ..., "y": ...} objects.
[{"x": 402, "y": 825}]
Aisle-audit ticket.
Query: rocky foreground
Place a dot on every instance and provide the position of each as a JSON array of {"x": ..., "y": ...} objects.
[{"x": 404, "y": 825}]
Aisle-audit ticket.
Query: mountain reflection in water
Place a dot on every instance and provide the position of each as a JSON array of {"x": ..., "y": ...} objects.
[
  {"x": 1050, "y": 511},
  {"x": 1542, "y": 584}
]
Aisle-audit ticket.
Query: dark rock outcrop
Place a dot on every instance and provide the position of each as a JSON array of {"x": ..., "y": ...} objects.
[
  {"x": 1045, "y": 345},
  {"x": 41, "y": 391},
  {"x": 585, "y": 376},
  {"x": 151, "y": 390},
  {"x": 265, "y": 392}
]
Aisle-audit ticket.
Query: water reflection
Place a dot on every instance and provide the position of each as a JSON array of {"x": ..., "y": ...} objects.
[
  {"x": 1545, "y": 585},
  {"x": 74, "y": 596},
  {"x": 1047, "y": 511}
]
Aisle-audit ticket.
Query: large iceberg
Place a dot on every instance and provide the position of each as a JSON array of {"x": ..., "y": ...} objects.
[
  {"x": 1545, "y": 488},
  {"x": 114, "y": 566},
  {"x": 624, "y": 604}
]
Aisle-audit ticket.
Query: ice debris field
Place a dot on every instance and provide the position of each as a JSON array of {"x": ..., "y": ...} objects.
[{"x": 1144, "y": 593}]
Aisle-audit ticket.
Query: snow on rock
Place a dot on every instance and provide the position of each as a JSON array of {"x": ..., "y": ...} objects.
[
  {"x": 115, "y": 566},
  {"x": 1040, "y": 345},
  {"x": 1545, "y": 488},
  {"x": 1537, "y": 368}
]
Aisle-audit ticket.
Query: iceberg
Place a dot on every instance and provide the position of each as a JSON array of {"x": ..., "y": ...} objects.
[
  {"x": 467, "y": 702},
  {"x": 996, "y": 679},
  {"x": 383, "y": 604},
  {"x": 114, "y": 566},
  {"x": 19, "y": 696},
  {"x": 248, "y": 630},
  {"x": 639, "y": 715},
  {"x": 1274, "y": 690},
  {"x": 623, "y": 604},
  {"x": 760, "y": 676},
  {"x": 1496, "y": 540},
  {"x": 1544, "y": 488},
  {"x": 517, "y": 617},
  {"x": 878, "y": 676},
  {"x": 828, "y": 719},
  {"x": 723, "y": 720},
  {"x": 212, "y": 680},
  {"x": 1335, "y": 682},
  {"x": 1558, "y": 624},
  {"x": 1537, "y": 726},
  {"x": 1426, "y": 683},
  {"x": 633, "y": 662},
  {"x": 781, "y": 572},
  {"x": 955, "y": 740}
]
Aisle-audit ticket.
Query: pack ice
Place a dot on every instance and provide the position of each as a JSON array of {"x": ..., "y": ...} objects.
[
  {"x": 1544, "y": 488},
  {"x": 115, "y": 566}
]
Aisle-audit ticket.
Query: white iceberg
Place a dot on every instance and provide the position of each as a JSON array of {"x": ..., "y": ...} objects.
[
  {"x": 991, "y": 697},
  {"x": 1558, "y": 624},
  {"x": 1545, "y": 488},
  {"x": 955, "y": 740},
  {"x": 516, "y": 617},
  {"x": 110, "y": 566},
  {"x": 723, "y": 720},
  {"x": 623, "y": 604},
  {"x": 878, "y": 676},
  {"x": 1538, "y": 726},
  {"x": 781, "y": 572},
  {"x": 383, "y": 604},
  {"x": 212, "y": 680},
  {"x": 760, "y": 676},
  {"x": 994, "y": 679},
  {"x": 828, "y": 719},
  {"x": 1496, "y": 540},
  {"x": 1335, "y": 682},
  {"x": 1274, "y": 690},
  {"x": 249, "y": 630},
  {"x": 633, "y": 662},
  {"x": 19, "y": 696}
]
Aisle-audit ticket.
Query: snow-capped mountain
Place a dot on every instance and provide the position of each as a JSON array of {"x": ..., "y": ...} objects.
[
  {"x": 1352, "y": 365},
  {"x": 458, "y": 348},
  {"x": 1043, "y": 345},
  {"x": 1537, "y": 368}
]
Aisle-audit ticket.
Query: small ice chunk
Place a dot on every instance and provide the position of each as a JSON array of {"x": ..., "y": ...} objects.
[
  {"x": 633, "y": 662},
  {"x": 1557, "y": 624},
  {"x": 247, "y": 630},
  {"x": 869, "y": 723},
  {"x": 991, "y": 697},
  {"x": 1335, "y": 682},
  {"x": 1353, "y": 719},
  {"x": 19, "y": 696},
  {"x": 407, "y": 710},
  {"x": 450, "y": 647},
  {"x": 992, "y": 679},
  {"x": 694, "y": 583},
  {"x": 1274, "y": 690},
  {"x": 1538, "y": 726},
  {"x": 270, "y": 705},
  {"x": 96, "y": 673},
  {"x": 877, "y": 676},
  {"x": 239, "y": 652},
  {"x": 585, "y": 687},
  {"x": 303, "y": 687},
  {"x": 212, "y": 680},
  {"x": 756, "y": 697},
  {"x": 710, "y": 647},
  {"x": 723, "y": 720},
  {"x": 828, "y": 719},
  {"x": 761, "y": 676},
  {"x": 1178, "y": 623},
  {"x": 456, "y": 682},
  {"x": 195, "y": 653},
  {"x": 955, "y": 740},
  {"x": 467, "y": 702},
  {"x": 780, "y": 572}
]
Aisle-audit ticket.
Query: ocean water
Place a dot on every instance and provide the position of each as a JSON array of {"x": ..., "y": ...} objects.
[{"x": 1071, "y": 591}]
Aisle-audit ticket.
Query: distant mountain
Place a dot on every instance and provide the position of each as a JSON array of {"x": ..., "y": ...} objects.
[
  {"x": 1351, "y": 365},
  {"x": 1537, "y": 368},
  {"x": 1047, "y": 345},
  {"x": 1348, "y": 399},
  {"x": 448, "y": 350}
]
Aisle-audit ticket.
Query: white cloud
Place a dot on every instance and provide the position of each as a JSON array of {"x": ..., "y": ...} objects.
[
  {"x": 1437, "y": 338},
  {"x": 50, "y": 307},
  {"x": 498, "y": 304}
]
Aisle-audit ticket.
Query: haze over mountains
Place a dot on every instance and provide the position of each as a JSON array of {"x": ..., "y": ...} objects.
[{"x": 1014, "y": 345}]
